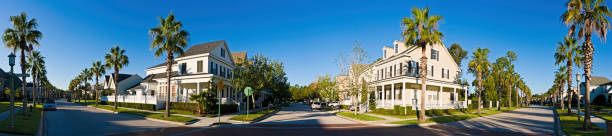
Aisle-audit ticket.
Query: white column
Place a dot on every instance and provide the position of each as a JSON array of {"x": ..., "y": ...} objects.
[
  {"x": 465, "y": 96},
  {"x": 384, "y": 96},
  {"x": 454, "y": 95},
  {"x": 198, "y": 87},
  {"x": 439, "y": 96},
  {"x": 392, "y": 94},
  {"x": 404, "y": 94}
]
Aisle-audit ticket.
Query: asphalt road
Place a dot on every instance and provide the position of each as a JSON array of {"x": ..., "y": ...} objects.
[
  {"x": 302, "y": 114},
  {"x": 72, "y": 119},
  {"x": 531, "y": 120}
]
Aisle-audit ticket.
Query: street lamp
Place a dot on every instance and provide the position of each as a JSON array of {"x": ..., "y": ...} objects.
[
  {"x": 12, "y": 90},
  {"x": 578, "y": 76}
]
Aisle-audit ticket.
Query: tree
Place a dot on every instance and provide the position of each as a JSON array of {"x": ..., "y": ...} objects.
[
  {"x": 168, "y": 38},
  {"x": 588, "y": 16},
  {"x": 353, "y": 65},
  {"x": 85, "y": 77},
  {"x": 326, "y": 88},
  {"x": 561, "y": 77},
  {"x": 34, "y": 66},
  {"x": 498, "y": 73},
  {"x": 205, "y": 99},
  {"x": 21, "y": 37},
  {"x": 569, "y": 52},
  {"x": 458, "y": 55},
  {"x": 479, "y": 65},
  {"x": 97, "y": 70},
  {"x": 422, "y": 30},
  {"x": 116, "y": 59}
]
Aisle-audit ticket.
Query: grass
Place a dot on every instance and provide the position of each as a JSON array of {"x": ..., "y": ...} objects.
[
  {"x": 571, "y": 126},
  {"x": 180, "y": 119},
  {"x": 173, "y": 111},
  {"x": 362, "y": 117},
  {"x": 395, "y": 116},
  {"x": 24, "y": 124},
  {"x": 253, "y": 115},
  {"x": 452, "y": 118},
  {"x": 5, "y": 106}
]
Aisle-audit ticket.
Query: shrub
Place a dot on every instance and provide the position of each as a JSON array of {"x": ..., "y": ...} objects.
[
  {"x": 141, "y": 106},
  {"x": 397, "y": 110},
  {"x": 599, "y": 100},
  {"x": 193, "y": 107}
]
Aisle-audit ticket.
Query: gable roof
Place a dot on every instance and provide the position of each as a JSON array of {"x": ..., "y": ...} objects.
[
  {"x": 599, "y": 80},
  {"x": 239, "y": 56},
  {"x": 197, "y": 49},
  {"x": 120, "y": 77}
]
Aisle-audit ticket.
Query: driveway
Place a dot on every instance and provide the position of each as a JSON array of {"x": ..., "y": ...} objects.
[
  {"x": 75, "y": 119},
  {"x": 531, "y": 120},
  {"x": 300, "y": 114}
]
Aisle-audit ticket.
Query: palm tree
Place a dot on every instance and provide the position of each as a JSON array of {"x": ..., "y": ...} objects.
[
  {"x": 34, "y": 65},
  {"x": 569, "y": 52},
  {"x": 498, "y": 73},
  {"x": 87, "y": 74},
  {"x": 169, "y": 40},
  {"x": 561, "y": 77},
  {"x": 116, "y": 59},
  {"x": 588, "y": 16},
  {"x": 479, "y": 65},
  {"x": 97, "y": 70},
  {"x": 422, "y": 30},
  {"x": 21, "y": 37}
]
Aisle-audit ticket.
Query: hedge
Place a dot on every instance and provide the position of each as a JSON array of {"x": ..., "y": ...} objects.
[
  {"x": 397, "y": 110},
  {"x": 141, "y": 106},
  {"x": 193, "y": 107}
]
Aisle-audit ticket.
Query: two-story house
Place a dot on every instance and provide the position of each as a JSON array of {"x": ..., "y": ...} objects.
[
  {"x": 598, "y": 86},
  {"x": 194, "y": 71},
  {"x": 395, "y": 78},
  {"x": 124, "y": 82}
]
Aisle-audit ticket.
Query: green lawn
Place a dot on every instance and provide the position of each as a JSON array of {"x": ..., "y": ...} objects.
[
  {"x": 452, "y": 118},
  {"x": 147, "y": 114},
  {"x": 604, "y": 115},
  {"x": 395, "y": 116},
  {"x": 571, "y": 126},
  {"x": 24, "y": 124},
  {"x": 253, "y": 115},
  {"x": 359, "y": 116}
]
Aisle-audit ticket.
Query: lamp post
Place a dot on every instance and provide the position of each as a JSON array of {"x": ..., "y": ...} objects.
[
  {"x": 12, "y": 90},
  {"x": 578, "y": 75}
]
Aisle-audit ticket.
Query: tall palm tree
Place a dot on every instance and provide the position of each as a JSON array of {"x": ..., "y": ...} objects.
[
  {"x": 422, "y": 30},
  {"x": 116, "y": 59},
  {"x": 169, "y": 40},
  {"x": 35, "y": 64},
  {"x": 588, "y": 16},
  {"x": 479, "y": 65},
  {"x": 569, "y": 52},
  {"x": 97, "y": 70},
  {"x": 561, "y": 76},
  {"x": 87, "y": 74},
  {"x": 498, "y": 73},
  {"x": 21, "y": 37}
]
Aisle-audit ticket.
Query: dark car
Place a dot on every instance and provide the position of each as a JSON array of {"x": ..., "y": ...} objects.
[{"x": 49, "y": 105}]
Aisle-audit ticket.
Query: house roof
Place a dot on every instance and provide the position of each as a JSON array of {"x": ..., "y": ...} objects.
[
  {"x": 239, "y": 56},
  {"x": 599, "y": 80},
  {"x": 198, "y": 49},
  {"x": 120, "y": 77}
]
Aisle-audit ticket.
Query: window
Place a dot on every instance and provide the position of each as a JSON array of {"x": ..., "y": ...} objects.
[
  {"x": 447, "y": 74},
  {"x": 222, "y": 52},
  {"x": 434, "y": 54},
  {"x": 210, "y": 68},
  {"x": 443, "y": 72},
  {"x": 385, "y": 54},
  {"x": 199, "y": 67},
  {"x": 183, "y": 68},
  {"x": 401, "y": 69},
  {"x": 395, "y": 48}
]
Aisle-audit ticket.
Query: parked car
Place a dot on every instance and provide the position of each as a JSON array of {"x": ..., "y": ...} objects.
[
  {"x": 333, "y": 104},
  {"x": 49, "y": 105},
  {"x": 315, "y": 105},
  {"x": 352, "y": 108}
]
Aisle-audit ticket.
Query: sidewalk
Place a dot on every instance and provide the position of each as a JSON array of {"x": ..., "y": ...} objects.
[
  {"x": 601, "y": 123},
  {"x": 6, "y": 114},
  {"x": 393, "y": 119}
]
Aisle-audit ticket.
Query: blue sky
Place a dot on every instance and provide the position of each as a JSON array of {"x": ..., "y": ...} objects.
[{"x": 306, "y": 35}]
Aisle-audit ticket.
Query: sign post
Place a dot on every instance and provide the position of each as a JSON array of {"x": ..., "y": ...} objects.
[
  {"x": 219, "y": 88},
  {"x": 248, "y": 91}
]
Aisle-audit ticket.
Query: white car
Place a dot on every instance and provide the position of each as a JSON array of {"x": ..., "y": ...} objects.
[
  {"x": 333, "y": 104},
  {"x": 315, "y": 105},
  {"x": 49, "y": 105}
]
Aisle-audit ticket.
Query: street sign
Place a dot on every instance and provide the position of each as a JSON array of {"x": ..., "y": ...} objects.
[
  {"x": 22, "y": 75},
  {"x": 220, "y": 85},
  {"x": 248, "y": 91}
]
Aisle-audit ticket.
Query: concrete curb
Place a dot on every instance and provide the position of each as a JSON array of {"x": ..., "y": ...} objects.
[
  {"x": 151, "y": 119},
  {"x": 557, "y": 123},
  {"x": 265, "y": 116},
  {"x": 41, "y": 126}
]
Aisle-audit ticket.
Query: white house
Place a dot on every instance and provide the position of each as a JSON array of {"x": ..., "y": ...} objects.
[
  {"x": 395, "y": 78},
  {"x": 124, "y": 82},
  {"x": 598, "y": 86}
]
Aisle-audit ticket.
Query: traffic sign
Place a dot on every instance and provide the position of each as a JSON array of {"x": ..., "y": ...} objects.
[
  {"x": 220, "y": 85},
  {"x": 248, "y": 91}
]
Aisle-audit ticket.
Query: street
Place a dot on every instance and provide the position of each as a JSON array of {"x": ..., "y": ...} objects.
[{"x": 75, "y": 119}]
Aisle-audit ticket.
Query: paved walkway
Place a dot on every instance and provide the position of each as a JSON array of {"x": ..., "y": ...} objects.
[
  {"x": 601, "y": 123},
  {"x": 530, "y": 120},
  {"x": 302, "y": 114},
  {"x": 7, "y": 114}
]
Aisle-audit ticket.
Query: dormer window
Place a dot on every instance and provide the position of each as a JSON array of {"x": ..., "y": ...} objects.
[
  {"x": 396, "y": 49},
  {"x": 385, "y": 54},
  {"x": 222, "y": 52}
]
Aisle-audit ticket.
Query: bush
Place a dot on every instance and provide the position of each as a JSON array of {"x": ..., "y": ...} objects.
[
  {"x": 193, "y": 107},
  {"x": 141, "y": 106},
  {"x": 397, "y": 110}
]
